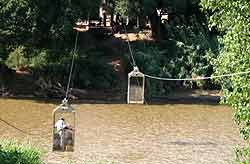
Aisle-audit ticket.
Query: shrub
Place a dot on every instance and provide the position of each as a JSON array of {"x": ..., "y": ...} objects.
[
  {"x": 17, "y": 59},
  {"x": 176, "y": 61},
  {"x": 91, "y": 70},
  {"x": 40, "y": 59},
  {"x": 13, "y": 153},
  {"x": 243, "y": 155}
]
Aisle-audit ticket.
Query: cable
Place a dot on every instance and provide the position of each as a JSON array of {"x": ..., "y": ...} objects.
[
  {"x": 14, "y": 127},
  {"x": 199, "y": 78},
  {"x": 184, "y": 79},
  {"x": 72, "y": 66},
  {"x": 129, "y": 46},
  {"x": 175, "y": 79},
  {"x": 21, "y": 130}
]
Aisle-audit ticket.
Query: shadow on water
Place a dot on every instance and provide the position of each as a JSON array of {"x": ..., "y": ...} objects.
[{"x": 200, "y": 100}]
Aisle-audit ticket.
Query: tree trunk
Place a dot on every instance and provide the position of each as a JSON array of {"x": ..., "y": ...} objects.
[
  {"x": 105, "y": 19},
  {"x": 112, "y": 19},
  {"x": 155, "y": 21},
  {"x": 138, "y": 22}
]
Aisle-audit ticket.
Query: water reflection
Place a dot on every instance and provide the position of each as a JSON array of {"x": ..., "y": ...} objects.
[{"x": 129, "y": 133}]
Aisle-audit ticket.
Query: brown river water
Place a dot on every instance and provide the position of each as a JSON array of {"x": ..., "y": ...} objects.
[{"x": 129, "y": 134}]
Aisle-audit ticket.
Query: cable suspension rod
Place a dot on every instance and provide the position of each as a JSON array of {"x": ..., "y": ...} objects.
[
  {"x": 72, "y": 66},
  {"x": 129, "y": 46}
]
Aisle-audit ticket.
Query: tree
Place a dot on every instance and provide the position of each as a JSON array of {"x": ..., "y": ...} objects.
[
  {"x": 17, "y": 59},
  {"x": 17, "y": 21},
  {"x": 231, "y": 19}
]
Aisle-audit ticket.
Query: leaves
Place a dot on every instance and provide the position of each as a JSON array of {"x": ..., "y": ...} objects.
[
  {"x": 231, "y": 18},
  {"x": 17, "y": 59}
]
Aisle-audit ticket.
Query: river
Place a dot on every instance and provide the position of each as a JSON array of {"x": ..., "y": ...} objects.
[{"x": 131, "y": 134}]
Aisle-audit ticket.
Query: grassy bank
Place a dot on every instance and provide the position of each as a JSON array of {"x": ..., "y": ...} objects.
[{"x": 13, "y": 153}]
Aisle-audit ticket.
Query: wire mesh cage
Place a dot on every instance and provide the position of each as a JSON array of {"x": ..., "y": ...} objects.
[
  {"x": 136, "y": 84},
  {"x": 64, "y": 122}
]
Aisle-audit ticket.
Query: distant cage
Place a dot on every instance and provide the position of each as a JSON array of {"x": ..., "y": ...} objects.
[
  {"x": 64, "y": 139},
  {"x": 136, "y": 84}
]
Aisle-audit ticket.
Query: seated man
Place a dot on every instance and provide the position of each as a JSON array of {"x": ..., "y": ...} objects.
[{"x": 60, "y": 125}]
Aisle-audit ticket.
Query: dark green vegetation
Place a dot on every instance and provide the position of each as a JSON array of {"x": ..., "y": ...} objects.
[
  {"x": 243, "y": 155},
  {"x": 38, "y": 37},
  {"x": 12, "y": 153}
]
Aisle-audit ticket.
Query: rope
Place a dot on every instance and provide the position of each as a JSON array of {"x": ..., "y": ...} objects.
[
  {"x": 72, "y": 66},
  {"x": 14, "y": 127},
  {"x": 21, "y": 130},
  {"x": 130, "y": 49},
  {"x": 199, "y": 78}
]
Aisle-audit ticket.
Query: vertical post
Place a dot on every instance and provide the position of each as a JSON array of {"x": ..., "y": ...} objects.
[
  {"x": 138, "y": 22},
  {"x": 62, "y": 140},
  {"x": 128, "y": 99},
  {"x": 53, "y": 130},
  {"x": 143, "y": 89},
  {"x": 74, "y": 131}
]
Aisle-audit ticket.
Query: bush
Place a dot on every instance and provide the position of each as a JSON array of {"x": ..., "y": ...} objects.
[
  {"x": 40, "y": 59},
  {"x": 176, "y": 61},
  {"x": 185, "y": 51},
  {"x": 91, "y": 70},
  {"x": 13, "y": 153},
  {"x": 17, "y": 59},
  {"x": 243, "y": 156}
]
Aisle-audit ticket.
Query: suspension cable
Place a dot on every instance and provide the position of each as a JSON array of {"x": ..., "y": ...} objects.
[
  {"x": 14, "y": 127},
  {"x": 181, "y": 79},
  {"x": 130, "y": 49},
  {"x": 72, "y": 66},
  {"x": 198, "y": 78},
  {"x": 21, "y": 130}
]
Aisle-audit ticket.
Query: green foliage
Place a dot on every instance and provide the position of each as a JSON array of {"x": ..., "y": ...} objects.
[
  {"x": 233, "y": 24},
  {"x": 243, "y": 155},
  {"x": 91, "y": 69},
  {"x": 17, "y": 20},
  {"x": 187, "y": 52},
  {"x": 235, "y": 55},
  {"x": 39, "y": 59},
  {"x": 162, "y": 63},
  {"x": 121, "y": 7},
  {"x": 42, "y": 23},
  {"x": 45, "y": 28},
  {"x": 13, "y": 153},
  {"x": 17, "y": 59}
]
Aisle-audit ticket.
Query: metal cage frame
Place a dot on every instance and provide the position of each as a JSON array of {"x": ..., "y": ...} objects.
[
  {"x": 63, "y": 108},
  {"x": 137, "y": 74}
]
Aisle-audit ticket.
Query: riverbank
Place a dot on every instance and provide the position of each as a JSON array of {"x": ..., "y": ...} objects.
[
  {"x": 94, "y": 97},
  {"x": 21, "y": 85}
]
